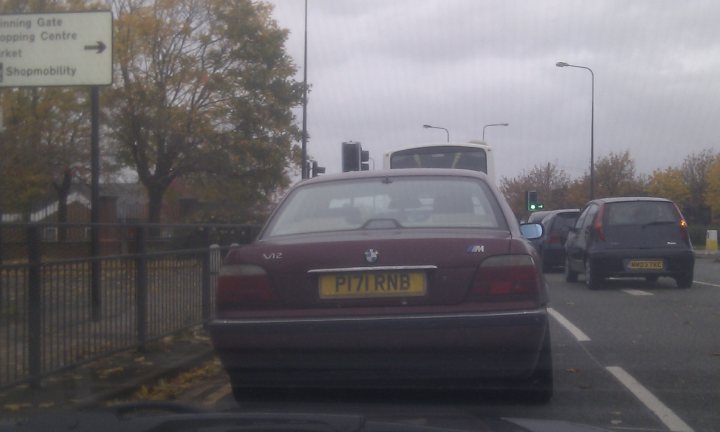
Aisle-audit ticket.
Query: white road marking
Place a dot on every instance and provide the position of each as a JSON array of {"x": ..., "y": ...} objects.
[
  {"x": 706, "y": 283},
  {"x": 217, "y": 395},
  {"x": 637, "y": 292},
  {"x": 579, "y": 335},
  {"x": 635, "y": 428},
  {"x": 665, "y": 414}
]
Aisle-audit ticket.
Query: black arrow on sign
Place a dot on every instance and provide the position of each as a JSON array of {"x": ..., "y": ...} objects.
[{"x": 100, "y": 47}]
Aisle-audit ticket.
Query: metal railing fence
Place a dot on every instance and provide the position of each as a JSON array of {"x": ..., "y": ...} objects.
[{"x": 53, "y": 317}]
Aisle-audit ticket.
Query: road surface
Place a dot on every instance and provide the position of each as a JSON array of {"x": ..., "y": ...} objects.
[{"x": 632, "y": 356}]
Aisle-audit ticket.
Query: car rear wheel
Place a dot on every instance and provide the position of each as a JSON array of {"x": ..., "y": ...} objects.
[
  {"x": 592, "y": 279},
  {"x": 254, "y": 394},
  {"x": 684, "y": 280},
  {"x": 546, "y": 266},
  {"x": 541, "y": 381},
  {"x": 243, "y": 394},
  {"x": 570, "y": 275}
]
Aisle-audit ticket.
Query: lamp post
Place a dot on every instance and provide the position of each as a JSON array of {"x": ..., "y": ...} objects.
[
  {"x": 592, "y": 123},
  {"x": 426, "y": 126},
  {"x": 493, "y": 124},
  {"x": 304, "y": 173}
]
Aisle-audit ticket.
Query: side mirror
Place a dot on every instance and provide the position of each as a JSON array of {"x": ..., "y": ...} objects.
[{"x": 531, "y": 231}]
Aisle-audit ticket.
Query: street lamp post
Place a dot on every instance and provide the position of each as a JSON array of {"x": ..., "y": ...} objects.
[
  {"x": 592, "y": 123},
  {"x": 438, "y": 127},
  {"x": 493, "y": 124},
  {"x": 304, "y": 172}
]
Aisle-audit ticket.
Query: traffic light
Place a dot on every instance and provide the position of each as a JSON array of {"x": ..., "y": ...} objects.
[
  {"x": 315, "y": 169},
  {"x": 364, "y": 158},
  {"x": 354, "y": 158},
  {"x": 351, "y": 156},
  {"x": 531, "y": 201}
]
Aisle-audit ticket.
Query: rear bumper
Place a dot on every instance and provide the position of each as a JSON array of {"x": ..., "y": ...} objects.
[
  {"x": 614, "y": 262},
  {"x": 382, "y": 351}
]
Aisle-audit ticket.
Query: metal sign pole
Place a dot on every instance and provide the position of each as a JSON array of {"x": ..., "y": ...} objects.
[
  {"x": 95, "y": 292},
  {"x": 85, "y": 41}
]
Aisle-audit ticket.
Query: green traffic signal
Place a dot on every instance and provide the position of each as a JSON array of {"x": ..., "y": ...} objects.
[{"x": 531, "y": 201}]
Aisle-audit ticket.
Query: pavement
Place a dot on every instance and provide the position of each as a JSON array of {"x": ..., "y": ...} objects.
[
  {"x": 707, "y": 254},
  {"x": 113, "y": 378}
]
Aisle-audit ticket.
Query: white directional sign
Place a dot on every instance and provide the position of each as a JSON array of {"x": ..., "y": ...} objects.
[{"x": 56, "y": 49}]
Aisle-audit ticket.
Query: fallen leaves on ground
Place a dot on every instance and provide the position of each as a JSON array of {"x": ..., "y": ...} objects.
[
  {"x": 172, "y": 388},
  {"x": 16, "y": 407},
  {"x": 106, "y": 373}
]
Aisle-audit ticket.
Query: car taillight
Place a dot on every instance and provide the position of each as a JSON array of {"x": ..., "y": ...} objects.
[
  {"x": 506, "y": 277},
  {"x": 243, "y": 286},
  {"x": 684, "y": 230},
  {"x": 683, "y": 226},
  {"x": 598, "y": 226}
]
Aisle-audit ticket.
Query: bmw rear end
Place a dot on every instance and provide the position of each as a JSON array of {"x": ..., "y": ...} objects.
[{"x": 412, "y": 278}]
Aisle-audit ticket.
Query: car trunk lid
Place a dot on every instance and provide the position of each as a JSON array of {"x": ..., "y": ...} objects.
[{"x": 368, "y": 268}]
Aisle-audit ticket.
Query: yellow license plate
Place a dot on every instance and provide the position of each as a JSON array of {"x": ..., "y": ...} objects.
[
  {"x": 372, "y": 284},
  {"x": 646, "y": 265}
]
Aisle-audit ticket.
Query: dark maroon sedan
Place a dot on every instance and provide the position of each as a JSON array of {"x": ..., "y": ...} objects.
[{"x": 402, "y": 278}]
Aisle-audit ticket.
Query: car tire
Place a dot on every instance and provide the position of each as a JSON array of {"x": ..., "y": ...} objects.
[
  {"x": 592, "y": 279},
  {"x": 541, "y": 381},
  {"x": 684, "y": 280},
  {"x": 651, "y": 278},
  {"x": 546, "y": 267},
  {"x": 570, "y": 275},
  {"x": 242, "y": 394}
]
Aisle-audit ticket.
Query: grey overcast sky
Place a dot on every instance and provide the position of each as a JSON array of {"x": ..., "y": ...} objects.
[{"x": 380, "y": 69}]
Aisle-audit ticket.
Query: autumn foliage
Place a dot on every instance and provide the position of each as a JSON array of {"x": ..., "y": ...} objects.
[{"x": 694, "y": 184}]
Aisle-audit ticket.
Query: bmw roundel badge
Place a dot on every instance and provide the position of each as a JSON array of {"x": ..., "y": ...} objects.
[{"x": 371, "y": 255}]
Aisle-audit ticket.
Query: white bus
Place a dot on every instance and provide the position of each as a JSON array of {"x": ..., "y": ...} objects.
[{"x": 473, "y": 155}]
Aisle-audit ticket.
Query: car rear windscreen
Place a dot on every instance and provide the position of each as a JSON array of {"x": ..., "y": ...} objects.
[
  {"x": 563, "y": 222},
  {"x": 396, "y": 202},
  {"x": 457, "y": 157},
  {"x": 640, "y": 213}
]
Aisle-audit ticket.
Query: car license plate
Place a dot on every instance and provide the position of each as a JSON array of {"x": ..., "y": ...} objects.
[
  {"x": 646, "y": 264},
  {"x": 372, "y": 284}
]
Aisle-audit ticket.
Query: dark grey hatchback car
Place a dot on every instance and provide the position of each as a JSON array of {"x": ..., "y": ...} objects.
[
  {"x": 629, "y": 237},
  {"x": 551, "y": 245}
]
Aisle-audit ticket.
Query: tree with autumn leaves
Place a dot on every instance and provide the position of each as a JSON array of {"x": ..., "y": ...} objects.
[
  {"x": 690, "y": 184},
  {"x": 693, "y": 185},
  {"x": 614, "y": 176},
  {"x": 203, "y": 92},
  {"x": 669, "y": 183},
  {"x": 45, "y": 146}
]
